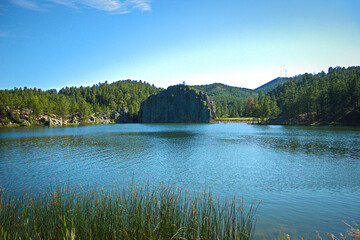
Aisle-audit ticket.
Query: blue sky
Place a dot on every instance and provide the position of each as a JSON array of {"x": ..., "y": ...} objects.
[{"x": 56, "y": 43}]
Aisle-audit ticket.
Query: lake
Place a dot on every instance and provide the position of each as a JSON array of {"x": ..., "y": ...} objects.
[{"x": 308, "y": 178}]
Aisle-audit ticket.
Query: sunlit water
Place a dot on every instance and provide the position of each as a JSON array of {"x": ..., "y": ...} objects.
[{"x": 308, "y": 178}]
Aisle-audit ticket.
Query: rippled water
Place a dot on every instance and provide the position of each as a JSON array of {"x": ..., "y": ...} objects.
[{"x": 308, "y": 178}]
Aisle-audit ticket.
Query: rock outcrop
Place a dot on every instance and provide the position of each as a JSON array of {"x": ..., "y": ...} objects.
[
  {"x": 53, "y": 122},
  {"x": 177, "y": 104},
  {"x": 24, "y": 122}
]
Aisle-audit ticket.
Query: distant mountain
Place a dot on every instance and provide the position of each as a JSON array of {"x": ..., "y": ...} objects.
[
  {"x": 219, "y": 92},
  {"x": 267, "y": 87}
]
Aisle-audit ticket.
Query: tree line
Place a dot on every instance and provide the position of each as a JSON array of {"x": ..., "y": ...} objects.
[
  {"x": 320, "y": 97},
  {"x": 334, "y": 96},
  {"x": 79, "y": 102},
  {"x": 230, "y": 101}
]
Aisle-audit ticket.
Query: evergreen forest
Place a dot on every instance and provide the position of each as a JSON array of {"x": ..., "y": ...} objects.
[
  {"x": 331, "y": 97},
  {"x": 322, "y": 97},
  {"x": 80, "y": 102}
]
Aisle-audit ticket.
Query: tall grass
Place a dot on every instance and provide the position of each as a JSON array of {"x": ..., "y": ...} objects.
[
  {"x": 352, "y": 232},
  {"x": 134, "y": 212}
]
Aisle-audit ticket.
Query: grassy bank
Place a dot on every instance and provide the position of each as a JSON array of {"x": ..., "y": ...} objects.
[
  {"x": 240, "y": 119},
  {"x": 135, "y": 212}
]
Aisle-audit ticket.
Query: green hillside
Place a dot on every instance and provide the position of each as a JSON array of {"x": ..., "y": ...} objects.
[
  {"x": 74, "y": 102},
  {"x": 331, "y": 97},
  {"x": 219, "y": 92},
  {"x": 267, "y": 87},
  {"x": 230, "y": 101}
]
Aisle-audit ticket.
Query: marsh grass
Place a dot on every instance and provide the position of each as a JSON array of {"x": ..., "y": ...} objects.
[
  {"x": 134, "y": 212},
  {"x": 352, "y": 232}
]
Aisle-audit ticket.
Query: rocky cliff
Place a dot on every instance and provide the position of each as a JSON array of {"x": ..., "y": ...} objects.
[{"x": 177, "y": 104}]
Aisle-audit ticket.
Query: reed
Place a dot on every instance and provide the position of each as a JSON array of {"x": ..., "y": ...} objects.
[
  {"x": 133, "y": 212},
  {"x": 352, "y": 232}
]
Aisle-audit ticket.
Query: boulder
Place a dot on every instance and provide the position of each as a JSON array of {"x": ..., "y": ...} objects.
[
  {"x": 53, "y": 122},
  {"x": 103, "y": 118},
  {"x": 75, "y": 120},
  {"x": 177, "y": 104},
  {"x": 24, "y": 122}
]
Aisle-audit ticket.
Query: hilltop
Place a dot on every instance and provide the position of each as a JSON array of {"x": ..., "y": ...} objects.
[
  {"x": 233, "y": 101},
  {"x": 267, "y": 87},
  {"x": 220, "y": 92}
]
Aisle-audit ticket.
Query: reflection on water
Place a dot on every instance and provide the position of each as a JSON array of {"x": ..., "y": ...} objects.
[{"x": 307, "y": 177}]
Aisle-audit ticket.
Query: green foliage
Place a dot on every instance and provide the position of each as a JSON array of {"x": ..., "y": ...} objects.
[
  {"x": 84, "y": 110},
  {"x": 76, "y": 101},
  {"x": 266, "y": 106},
  {"x": 104, "y": 97},
  {"x": 6, "y": 121},
  {"x": 328, "y": 97},
  {"x": 323, "y": 97},
  {"x": 223, "y": 93},
  {"x": 229, "y": 101},
  {"x": 62, "y": 108}
]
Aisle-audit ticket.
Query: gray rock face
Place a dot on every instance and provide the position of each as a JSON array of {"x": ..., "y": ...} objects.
[{"x": 177, "y": 104}]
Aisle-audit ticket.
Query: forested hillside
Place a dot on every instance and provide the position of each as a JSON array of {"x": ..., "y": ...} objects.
[
  {"x": 230, "y": 101},
  {"x": 331, "y": 97},
  {"x": 80, "y": 102}
]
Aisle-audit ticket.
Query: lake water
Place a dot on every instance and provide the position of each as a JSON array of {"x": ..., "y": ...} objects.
[{"x": 308, "y": 178}]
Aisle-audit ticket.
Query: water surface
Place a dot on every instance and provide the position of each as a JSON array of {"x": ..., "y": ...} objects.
[{"x": 307, "y": 177}]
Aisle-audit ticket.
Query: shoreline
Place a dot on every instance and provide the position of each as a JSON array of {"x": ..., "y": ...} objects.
[
  {"x": 55, "y": 126},
  {"x": 80, "y": 124}
]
